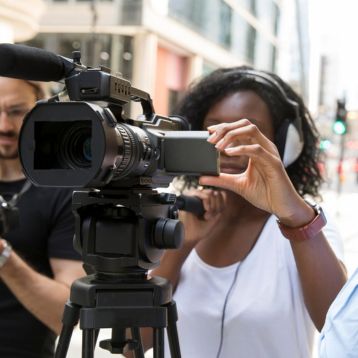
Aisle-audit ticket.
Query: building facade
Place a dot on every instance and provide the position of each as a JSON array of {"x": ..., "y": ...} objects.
[
  {"x": 162, "y": 45},
  {"x": 19, "y": 19}
]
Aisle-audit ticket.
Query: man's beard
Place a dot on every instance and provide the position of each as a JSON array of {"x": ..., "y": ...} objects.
[
  {"x": 10, "y": 156},
  {"x": 13, "y": 154}
]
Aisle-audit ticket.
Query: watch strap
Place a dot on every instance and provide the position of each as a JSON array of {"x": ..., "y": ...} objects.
[{"x": 307, "y": 231}]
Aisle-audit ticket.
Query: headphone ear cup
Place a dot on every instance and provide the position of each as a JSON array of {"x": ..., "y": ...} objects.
[
  {"x": 293, "y": 146},
  {"x": 289, "y": 142}
]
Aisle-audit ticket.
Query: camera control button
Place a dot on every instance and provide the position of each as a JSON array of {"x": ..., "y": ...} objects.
[{"x": 168, "y": 234}]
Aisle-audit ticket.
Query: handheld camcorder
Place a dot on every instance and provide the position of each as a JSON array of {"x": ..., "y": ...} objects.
[{"x": 87, "y": 141}]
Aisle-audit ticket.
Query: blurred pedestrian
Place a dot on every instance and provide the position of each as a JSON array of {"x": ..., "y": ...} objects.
[{"x": 356, "y": 169}]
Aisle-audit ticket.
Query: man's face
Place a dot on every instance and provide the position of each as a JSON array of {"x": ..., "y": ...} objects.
[{"x": 17, "y": 97}]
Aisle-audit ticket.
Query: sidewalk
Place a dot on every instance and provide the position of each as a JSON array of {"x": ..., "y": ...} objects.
[{"x": 344, "y": 209}]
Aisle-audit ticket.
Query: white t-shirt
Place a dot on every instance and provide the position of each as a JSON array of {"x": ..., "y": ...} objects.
[
  {"x": 339, "y": 336},
  {"x": 265, "y": 314}
]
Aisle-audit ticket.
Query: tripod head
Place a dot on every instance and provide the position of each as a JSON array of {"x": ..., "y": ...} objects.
[{"x": 122, "y": 233}]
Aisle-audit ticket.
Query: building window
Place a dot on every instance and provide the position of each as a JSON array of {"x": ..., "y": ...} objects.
[
  {"x": 113, "y": 51},
  {"x": 251, "y": 44},
  {"x": 131, "y": 12},
  {"x": 276, "y": 18},
  {"x": 211, "y": 18},
  {"x": 274, "y": 58},
  {"x": 252, "y": 7},
  {"x": 190, "y": 12},
  {"x": 89, "y": 0},
  {"x": 225, "y": 24},
  {"x": 208, "y": 68}
]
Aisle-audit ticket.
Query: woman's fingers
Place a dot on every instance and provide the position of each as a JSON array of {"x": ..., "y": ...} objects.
[
  {"x": 212, "y": 200},
  {"x": 218, "y": 131},
  {"x": 239, "y": 132},
  {"x": 262, "y": 160},
  {"x": 219, "y": 201},
  {"x": 255, "y": 152},
  {"x": 225, "y": 181}
]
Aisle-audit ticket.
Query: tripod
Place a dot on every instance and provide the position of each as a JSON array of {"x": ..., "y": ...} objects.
[{"x": 121, "y": 235}]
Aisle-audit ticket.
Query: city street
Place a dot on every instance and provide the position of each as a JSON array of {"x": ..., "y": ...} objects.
[
  {"x": 344, "y": 208},
  {"x": 117, "y": 74}
]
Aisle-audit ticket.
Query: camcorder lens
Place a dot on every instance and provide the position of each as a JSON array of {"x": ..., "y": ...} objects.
[
  {"x": 75, "y": 146},
  {"x": 87, "y": 151},
  {"x": 80, "y": 144}
]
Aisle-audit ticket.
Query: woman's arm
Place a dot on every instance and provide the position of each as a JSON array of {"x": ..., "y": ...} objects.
[{"x": 266, "y": 185}]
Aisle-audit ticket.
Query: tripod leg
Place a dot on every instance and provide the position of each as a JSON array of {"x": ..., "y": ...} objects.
[
  {"x": 173, "y": 331},
  {"x": 96, "y": 333},
  {"x": 69, "y": 320},
  {"x": 88, "y": 339},
  {"x": 158, "y": 343},
  {"x": 138, "y": 352}
]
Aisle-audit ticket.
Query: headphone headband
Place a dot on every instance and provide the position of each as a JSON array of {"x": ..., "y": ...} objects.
[
  {"x": 269, "y": 81},
  {"x": 290, "y": 135}
]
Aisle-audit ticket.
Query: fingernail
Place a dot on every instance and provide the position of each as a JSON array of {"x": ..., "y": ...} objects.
[
  {"x": 219, "y": 144},
  {"x": 212, "y": 137}
]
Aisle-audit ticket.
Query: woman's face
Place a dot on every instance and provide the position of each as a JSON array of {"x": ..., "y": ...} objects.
[{"x": 239, "y": 105}]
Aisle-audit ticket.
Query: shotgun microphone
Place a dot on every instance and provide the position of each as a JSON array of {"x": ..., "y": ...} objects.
[{"x": 33, "y": 64}]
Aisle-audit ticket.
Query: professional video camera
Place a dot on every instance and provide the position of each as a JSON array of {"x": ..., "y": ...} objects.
[
  {"x": 88, "y": 142},
  {"x": 81, "y": 138}
]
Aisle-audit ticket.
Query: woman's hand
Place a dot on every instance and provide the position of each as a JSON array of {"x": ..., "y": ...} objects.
[
  {"x": 198, "y": 228},
  {"x": 265, "y": 182}
]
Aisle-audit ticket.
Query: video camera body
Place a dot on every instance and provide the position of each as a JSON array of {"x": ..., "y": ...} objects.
[
  {"x": 122, "y": 225},
  {"x": 88, "y": 141},
  {"x": 81, "y": 138}
]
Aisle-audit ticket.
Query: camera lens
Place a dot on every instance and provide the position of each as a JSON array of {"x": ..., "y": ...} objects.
[
  {"x": 87, "y": 151},
  {"x": 75, "y": 147}
]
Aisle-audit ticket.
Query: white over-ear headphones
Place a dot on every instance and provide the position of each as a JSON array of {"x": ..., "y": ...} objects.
[{"x": 289, "y": 137}]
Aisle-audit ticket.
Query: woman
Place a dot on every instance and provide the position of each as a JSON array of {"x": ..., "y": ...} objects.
[{"x": 246, "y": 285}]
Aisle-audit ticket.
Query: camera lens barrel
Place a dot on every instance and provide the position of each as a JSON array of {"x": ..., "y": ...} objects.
[
  {"x": 74, "y": 149},
  {"x": 133, "y": 148},
  {"x": 80, "y": 144}
]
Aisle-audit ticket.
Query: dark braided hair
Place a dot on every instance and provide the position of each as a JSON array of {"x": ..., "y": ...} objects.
[{"x": 204, "y": 94}]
